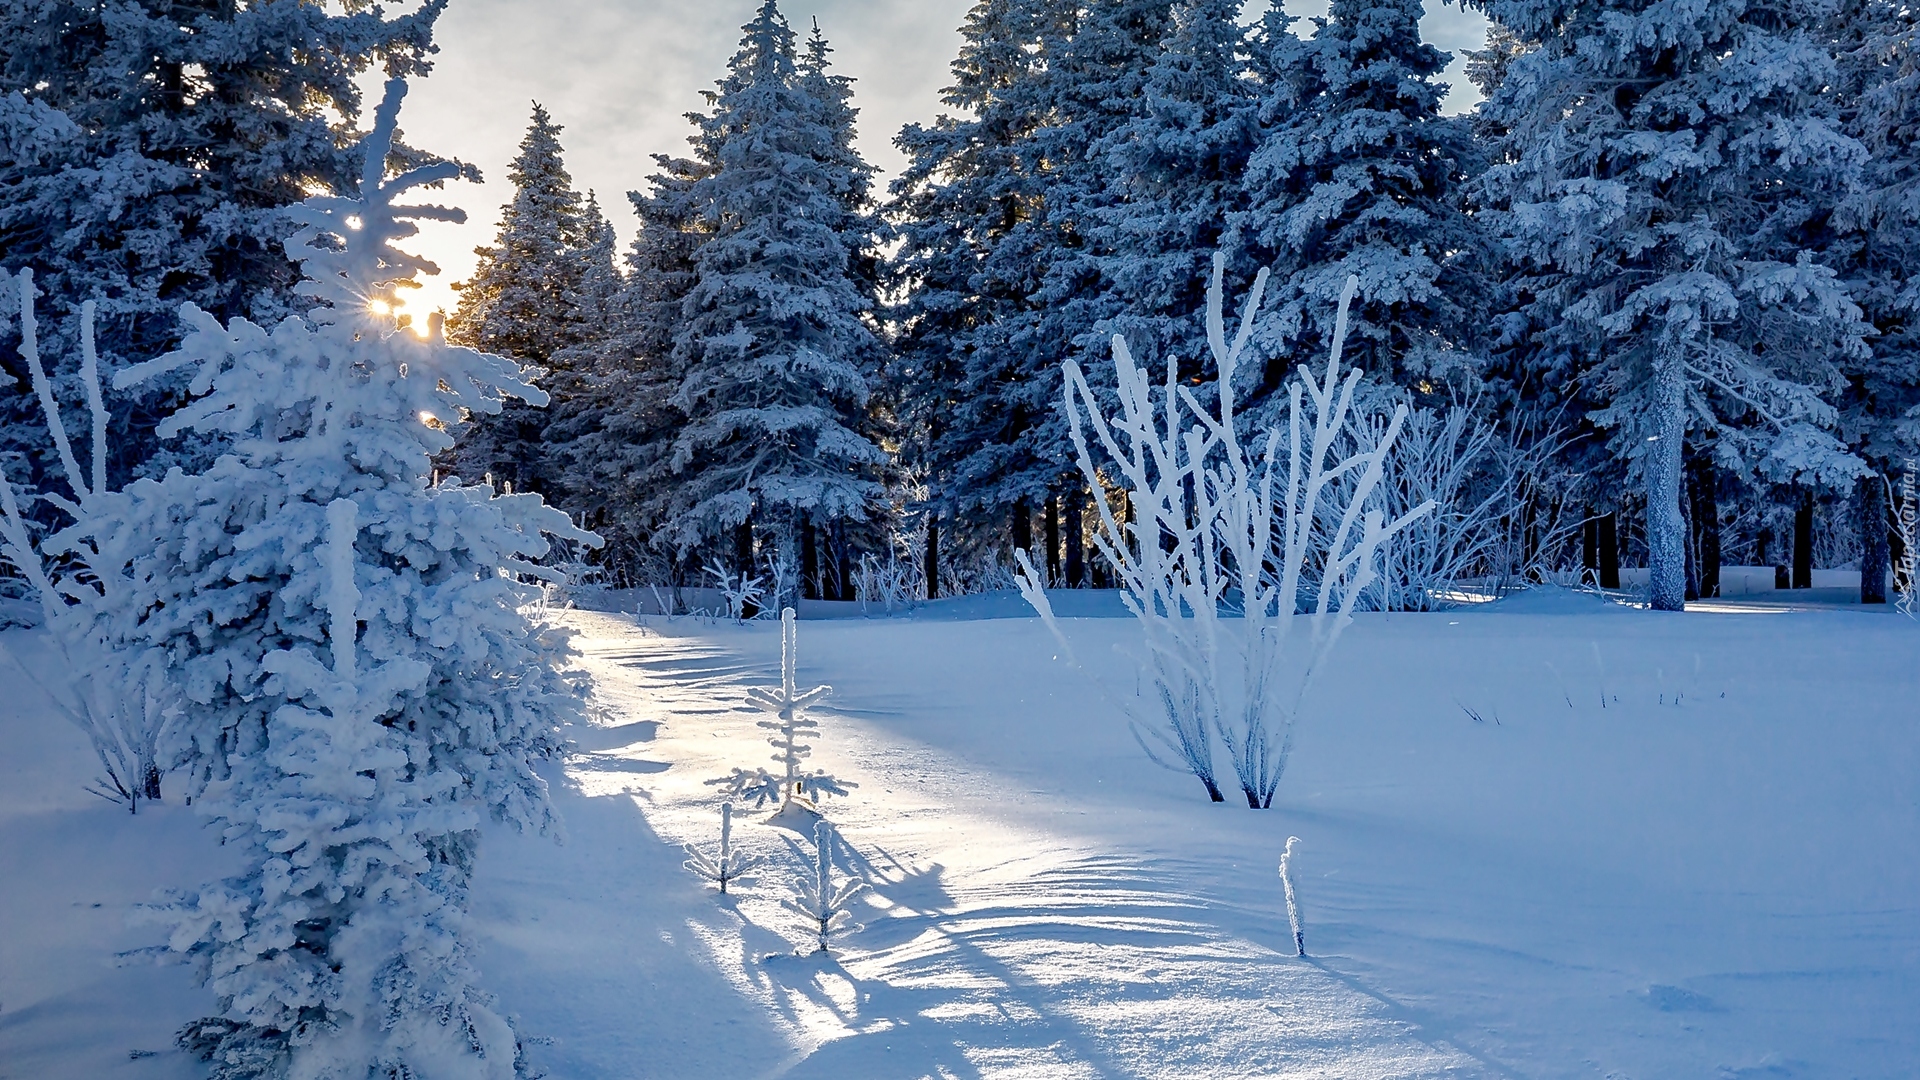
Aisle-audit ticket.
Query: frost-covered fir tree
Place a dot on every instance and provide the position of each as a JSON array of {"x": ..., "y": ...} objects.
[
  {"x": 1177, "y": 172},
  {"x": 962, "y": 208},
  {"x": 774, "y": 352},
  {"x": 1359, "y": 175},
  {"x": 1876, "y": 246},
  {"x": 1656, "y": 172},
  {"x": 618, "y": 444},
  {"x": 726, "y": 865},
  {"x": 148, "y": 150},
  {"x": 795, "y": 790},
  {"x": 816, "y": 898},
  {"x": 363, "y": 686},
  {"x": 1098, "y": 59},
  {"x": 526, "y": 301}
]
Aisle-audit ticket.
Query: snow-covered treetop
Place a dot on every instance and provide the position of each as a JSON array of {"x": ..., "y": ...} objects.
[{"x": 368, "y": 380}]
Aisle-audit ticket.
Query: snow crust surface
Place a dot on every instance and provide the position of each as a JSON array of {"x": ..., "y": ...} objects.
[{"x": 1569, "y": 842}]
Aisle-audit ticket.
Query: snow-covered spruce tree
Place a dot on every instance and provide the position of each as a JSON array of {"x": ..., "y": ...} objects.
[
  {"x": 363, "y": 685},
  {"x": 527, "y": 301},
  {"x": 823, "y": 904},
  {"x": 1657, "y": 166},
  {"x": 1177, "y": 171},
  {"x": 616, "y": 439},
  {"x": 774, "y": 352},
  {"x": 796, "y": 790},
  {"x": 729, "y": 863},
  {"x": 1213, "y": 528},
  {"x": 1098, "y": 57},
  {"x": 148, "y": 150},
  {"x": 1875, "y": 242},
  {"x": 963, "y": 207},
  {"x": 1360, "y": 176}
]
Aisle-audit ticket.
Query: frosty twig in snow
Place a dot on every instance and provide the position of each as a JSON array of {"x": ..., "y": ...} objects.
[
  {"x": 793, "y": 789},
  {"x": 729, "y": 864},
  {"x": 816, "y": 898},
  {"x": 1293, "y": 904},
  {"x": 1214, "y": 527},
  {"x": 120, "y": 698}
]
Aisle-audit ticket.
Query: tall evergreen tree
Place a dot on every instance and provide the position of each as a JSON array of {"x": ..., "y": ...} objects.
[
  {"x": 1361, "y": 176},
  {"x": 148, "y": 151},
  {"x": 1177, "y": 170},
  {"x": 774, "y": 349},
  {"x": 526, "y": 301},
  {"x": 1877, "y": 247},
  {"x": 1655, "y": 178},
  {"x": 1004, "y": 267},
  {"x": 619, "y": 452},
  {"x": 968, "y": 189}
]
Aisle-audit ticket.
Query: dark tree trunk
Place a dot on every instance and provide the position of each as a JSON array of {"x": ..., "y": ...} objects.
[
  {"x": 1590, "y": 550},
  {"x": 150, "y": 778},
  {"x": 809, "y": 560},
  {"x": 743, "y": 547},
  {"x": 1692, "y": 550},
  {"x": 843, "y": 561},
  {"x": 1870, "y": 510},
  {"x": 1803, "y": 543},
  {"x": 1053, "y": 541},
  {"x": 1076, "y": 543},
  {"x": 1610, "y": 551},
  {"x": 933, "y": 556},
  {"x": 1022, "y": 527},
  {"x": 1213, "y": 789},
  {"x": 1706, "y": 525}
]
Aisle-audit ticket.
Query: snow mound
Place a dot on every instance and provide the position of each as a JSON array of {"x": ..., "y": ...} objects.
[{"x": 1551, "y": 600}]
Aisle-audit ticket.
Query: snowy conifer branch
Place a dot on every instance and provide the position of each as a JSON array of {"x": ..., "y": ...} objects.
[
  {"x": 1215, "y": 530},
  {"x": 793, "y": 789},
  {"x": 815, "y": 896}
]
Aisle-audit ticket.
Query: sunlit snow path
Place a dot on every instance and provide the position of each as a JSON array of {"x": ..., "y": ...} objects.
[{"x": 989, "y": 948}]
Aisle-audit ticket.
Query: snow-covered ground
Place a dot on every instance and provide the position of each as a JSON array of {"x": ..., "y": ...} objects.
[{"x": 1546, "y": 838}]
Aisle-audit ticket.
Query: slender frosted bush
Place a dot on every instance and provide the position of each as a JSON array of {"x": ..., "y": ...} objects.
[{"x": 1222, "y": 549}]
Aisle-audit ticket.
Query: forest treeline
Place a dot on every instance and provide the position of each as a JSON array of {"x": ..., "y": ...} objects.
[{"x": 1666, "y": 269}]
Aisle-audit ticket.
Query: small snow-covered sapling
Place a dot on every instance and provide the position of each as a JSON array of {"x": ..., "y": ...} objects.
[
  {"x": 729, "y": 864},
  {"x": 1293, "y": 905},
  {"x": 793, "y": 788},
  {"x": 816, "y": 898}
]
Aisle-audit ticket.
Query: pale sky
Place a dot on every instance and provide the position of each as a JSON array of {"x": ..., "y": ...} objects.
[{"x": 620, "y": 75}]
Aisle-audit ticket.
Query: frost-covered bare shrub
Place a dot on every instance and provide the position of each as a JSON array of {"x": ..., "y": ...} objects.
[
  {"x": 739, "y": 591},
  {"x": 120, "y": 697},
  {"x": 888, "y": 581},
  {"x": 1448, "y": 459},
  {"x": 1220, "y": 548}
]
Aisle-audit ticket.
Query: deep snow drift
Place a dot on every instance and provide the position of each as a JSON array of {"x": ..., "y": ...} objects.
[{"x": 1542, "y": 839}]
